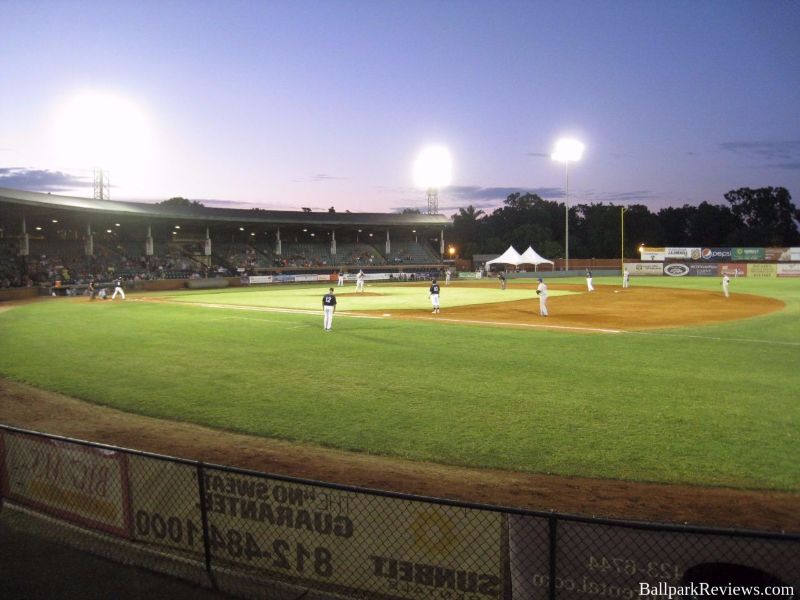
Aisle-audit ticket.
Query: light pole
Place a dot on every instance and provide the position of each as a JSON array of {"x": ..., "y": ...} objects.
[
  {"x": 622, "y": 210},
  {"x": 567, "y": 150}
]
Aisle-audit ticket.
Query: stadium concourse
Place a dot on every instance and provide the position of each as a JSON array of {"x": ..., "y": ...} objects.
[{"x": 50, "y": 240}]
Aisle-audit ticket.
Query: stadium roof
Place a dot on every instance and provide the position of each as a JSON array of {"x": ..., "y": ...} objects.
[{"x": 198, "y": 213}]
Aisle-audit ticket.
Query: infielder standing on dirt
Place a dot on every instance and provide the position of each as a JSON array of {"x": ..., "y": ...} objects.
[
  {"x": 726, "y": 281},
  {"x": 589, "y": 285},
  {"x": 541, "y": 291},
  {"x": 626, "y": 279},
  {"x": 328, "y": 308},
  {"x": 360, "y": 281},
  {"x": 341, "y": 279},
  {"x": 433, "y": 293},
  {"x": 502, "y": 278}
]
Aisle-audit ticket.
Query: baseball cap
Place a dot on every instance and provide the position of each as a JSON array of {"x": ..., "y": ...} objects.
[{"x": 540, "y": 279}]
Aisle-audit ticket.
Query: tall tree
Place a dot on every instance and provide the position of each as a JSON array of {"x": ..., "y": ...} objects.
[
  {"x": 468, "y": 230},
  {"x": 675, "y": 224},
  {"x": 179, "y": 201},
  {"x": 713, "y": 225},
  {"x": 767, "y": 213}
]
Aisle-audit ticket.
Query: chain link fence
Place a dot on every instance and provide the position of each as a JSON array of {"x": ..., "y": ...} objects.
[{"x": 253, "y": 535}]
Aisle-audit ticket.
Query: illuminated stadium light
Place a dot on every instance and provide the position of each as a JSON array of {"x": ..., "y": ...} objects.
[
  {"x": 241, "y": 228},
  {"x": 567, "y": 150},
  {"x": 116, "y": 224},
  {"x": 38, "y": 229},
  {"x": 433, "y": 170},
  {"x": 177, "y": 226},
  {"x": 55, "y": 220}
]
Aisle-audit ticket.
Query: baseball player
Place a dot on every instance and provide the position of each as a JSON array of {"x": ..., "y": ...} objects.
[
  {"x": 90, "y": 290},
  {"x": 541, "y": 291},
  {"x": 589, "y": 285},
  {"x": 726, "y": 281},
  {"x": 447, "y": 277},
  {"x": 502, "y": 278},
  {"x": 433, "y": 294},
  {"x": 360, "y": 281},
  {"x": 328, "y": 308},
  {"x": 118, "y": 289},
  {"x": 341, "y": 279},
  {"x": 626, "y": 279}
]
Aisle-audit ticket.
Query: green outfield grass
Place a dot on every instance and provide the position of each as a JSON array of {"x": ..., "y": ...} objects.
[{"x": 712, "y": 405}]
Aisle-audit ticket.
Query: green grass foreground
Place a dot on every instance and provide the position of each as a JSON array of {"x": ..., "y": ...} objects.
[{"x": 713, "y": 405}]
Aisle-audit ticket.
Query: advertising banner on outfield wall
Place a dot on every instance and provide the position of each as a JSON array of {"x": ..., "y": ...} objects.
[
  {"x": 762, "y": 270},
  {"x": 716, "y": 254},
  {"x": 612, "y": 561},
  {"x": 80, "y": 484},
  {"x": 746, "y": 254},
  {"x": 704, "y": 270},
  {"x": 733, "y": 270},
  {"x": 255, "y": 279},
  {"x": 310, "y": 534},
  {"x": 682, "y": 253},
  {"x": 648, "y": 269},
  {"x": 676, "y": 270},
  {"x": 792, "y": 270},
  {"x": 653, "y": 254}
]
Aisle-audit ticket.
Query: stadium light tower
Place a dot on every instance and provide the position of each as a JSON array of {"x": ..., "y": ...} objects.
[
  {"x": 433, "y": 171},
  {"x": 567, "y": 151}
]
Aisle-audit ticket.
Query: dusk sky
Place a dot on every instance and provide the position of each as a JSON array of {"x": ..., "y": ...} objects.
[{"x": 316, "y": 104}]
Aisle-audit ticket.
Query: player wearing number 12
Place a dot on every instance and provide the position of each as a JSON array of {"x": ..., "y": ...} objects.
[{"x": 328, "y": 308}]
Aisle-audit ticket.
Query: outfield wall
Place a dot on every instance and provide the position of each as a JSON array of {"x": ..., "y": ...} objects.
[
  {"x": 697, "y": 269},
  {"x": 256, "y": 535}
]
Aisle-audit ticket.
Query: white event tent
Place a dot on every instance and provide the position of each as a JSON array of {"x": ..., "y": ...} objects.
[
  {"x": 531, "y": 257},
  {"x": 509, "y": 257},
  {"x": 512, "y": 257}
]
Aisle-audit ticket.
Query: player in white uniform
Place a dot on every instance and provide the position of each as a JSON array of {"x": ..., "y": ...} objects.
[
  {"x": 118, "y": 289},
  {"x": 341, "y": 279},
  {"x": 589, "y": 285},
  {"x": 433, "y": 293},
  {"x": 360, "y": 281},
  {"x": 726, "y": 281},
  {"x": 447, "y": 277},
  {"x": 541, "y": 291},
  {"x": 626, "y": 279},
  {"x": 328, "y": 308}
]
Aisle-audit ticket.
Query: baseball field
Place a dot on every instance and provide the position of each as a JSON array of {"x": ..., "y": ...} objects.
[{"x": 667, "y": 382}]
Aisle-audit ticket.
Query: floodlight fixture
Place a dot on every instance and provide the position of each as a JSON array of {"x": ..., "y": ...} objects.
[{"x": 433, "y": 170}]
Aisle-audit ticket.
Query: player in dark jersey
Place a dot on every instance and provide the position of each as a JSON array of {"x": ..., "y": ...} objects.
[
  {"x": 433, "y": 294},
  {"x": 328, "y": 308}
]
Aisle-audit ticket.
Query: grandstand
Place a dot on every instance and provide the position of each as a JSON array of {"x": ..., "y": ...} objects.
[{"x": 46, "y": 238}]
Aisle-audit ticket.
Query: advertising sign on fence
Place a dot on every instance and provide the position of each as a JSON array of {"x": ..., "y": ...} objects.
[
  {"x": 733, "y": 270},
  {"x": 652, "y": 254},
  {"x": 747, "y": 254},
  {"x": 762, "y": 270},
  {"x": 79, "y": 484},
  {"x": 374, "y": 544},
  {"x": 676, "y": 270},
  {"x": 596, "y": 560},
  {"x": 254, "y": 279},
  {"x": 164, "y": 504},
  {"x": 704, "y": 269},
  {"x": 717, "y": 254},
  {"x": 790, "y": 270},
  {"x": 389, "y": 546},
  {"x": 683, "y": 253},
  {"x": 640, "y": 269}
]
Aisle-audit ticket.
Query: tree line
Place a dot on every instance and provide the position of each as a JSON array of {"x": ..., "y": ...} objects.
[{"x": 752, "y": 217}]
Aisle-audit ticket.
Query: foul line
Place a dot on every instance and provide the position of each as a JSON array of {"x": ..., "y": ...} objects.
[
  {"x": 533, "y": 325},
  {"x": 297, "y": 311}
]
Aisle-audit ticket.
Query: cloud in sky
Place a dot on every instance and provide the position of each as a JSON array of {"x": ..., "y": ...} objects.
[
  {"x": 318, "y": 178},
  {"x": 788, "y": 150},
  {"x": 42, "y": 180}
]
